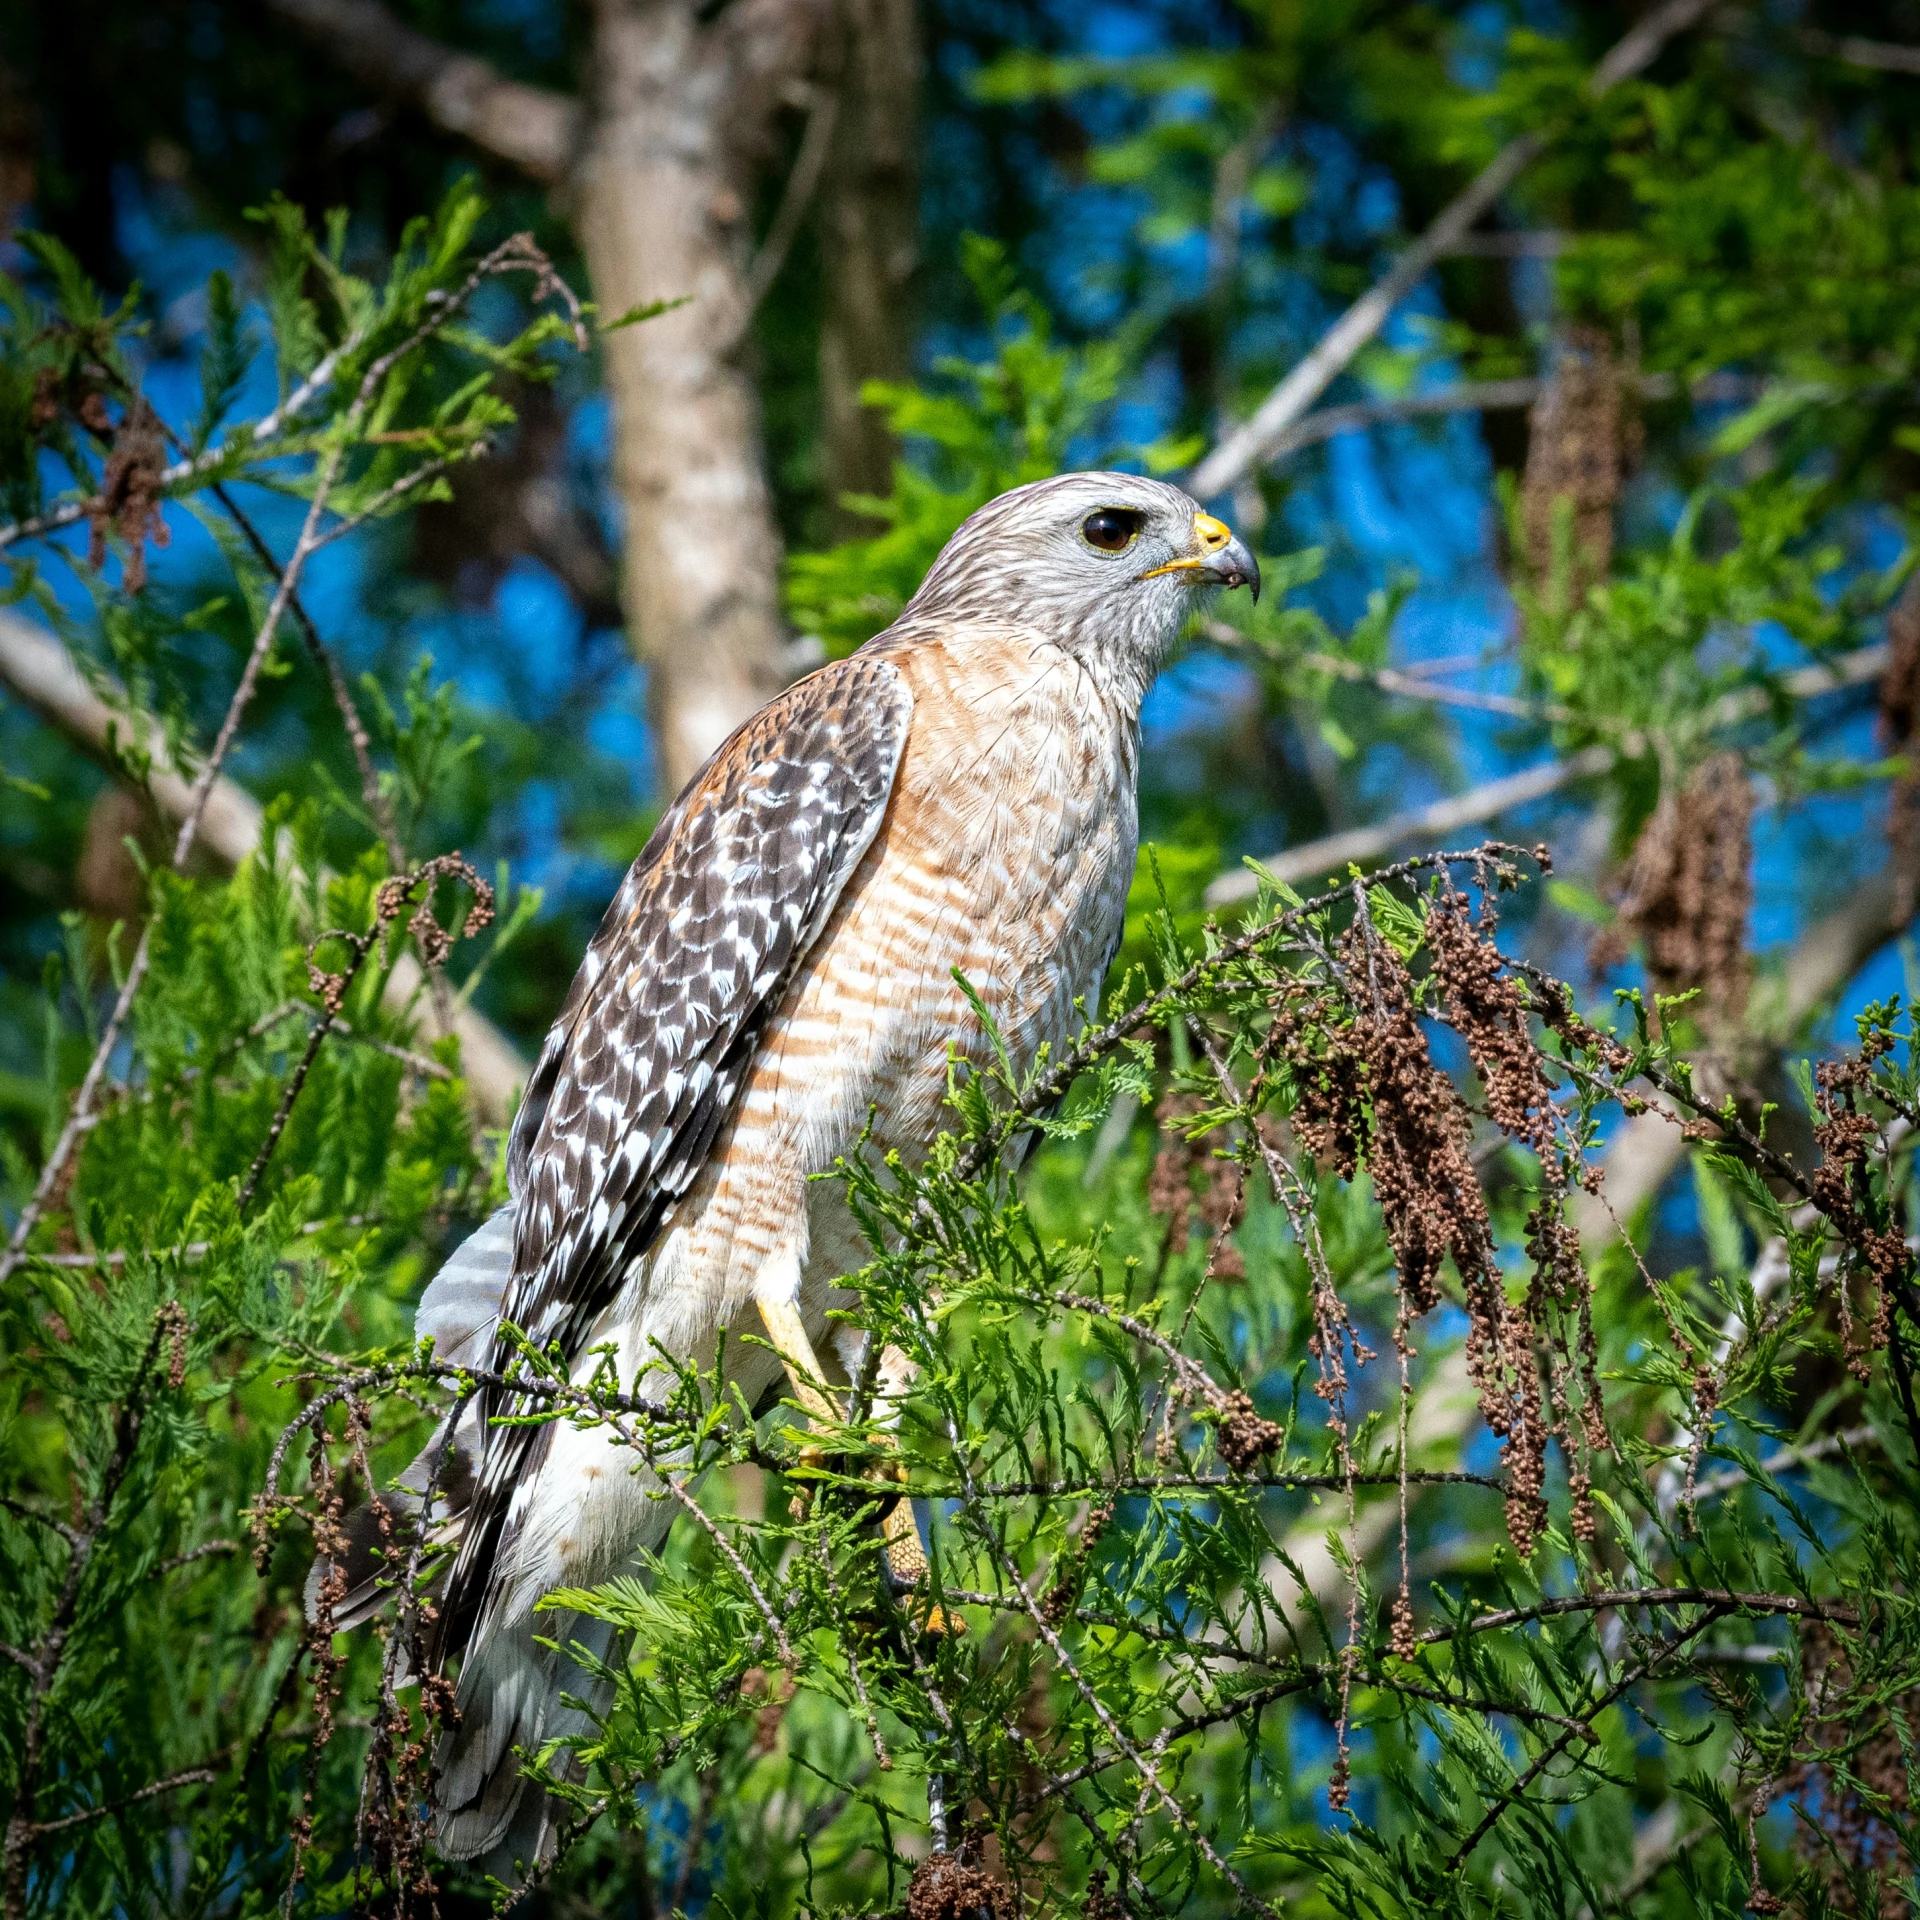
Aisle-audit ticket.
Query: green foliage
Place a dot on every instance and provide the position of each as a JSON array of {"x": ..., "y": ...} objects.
[
  {"x": 984, "y": 427},
  {"x": 1154, "y": 1463},
  {"x": 1602, "y": 1557}
]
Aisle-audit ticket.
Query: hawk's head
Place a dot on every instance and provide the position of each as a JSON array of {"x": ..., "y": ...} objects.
[{"x": 1104, "y": 564}]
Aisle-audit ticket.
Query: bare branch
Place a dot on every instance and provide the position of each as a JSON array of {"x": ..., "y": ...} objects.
[
  {"x": 39, "y": 671},
  {"x": 536, "y": 129},
  {"x": 199, "y": 794},
  {"x": 1360, "y": 844},
  {"x": 1480, "y": 396},
  {"x": 1248, "y": 444},
  {"x": 266, "y": 429},
  {"x": 1507, "y": 245},
  {"x": 192, "y": 1777},
  {"x": 1853, "y": 50},
  {"x": 1648, "y": 1148}
]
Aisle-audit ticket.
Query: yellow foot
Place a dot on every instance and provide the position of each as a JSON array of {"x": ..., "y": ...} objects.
[
  {"x": 907, "y": 1563},
  {"x": 906, "y": 1558}
]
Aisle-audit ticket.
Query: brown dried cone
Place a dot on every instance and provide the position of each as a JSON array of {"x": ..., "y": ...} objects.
[
  {"x": 1245, "y": 1439},
  {"x": 1582, "y": 437},
  {"x": 1900, "y": 733},
  {"x": 129, "y": 499},
  {"x": 944, "y": 1887},
  {"x": 1689, "y": 889},
  {"x": 1405, "y": 1646}
]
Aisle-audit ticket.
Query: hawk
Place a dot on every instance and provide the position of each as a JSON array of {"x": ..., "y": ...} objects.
[{"x": 778, "y": 966}]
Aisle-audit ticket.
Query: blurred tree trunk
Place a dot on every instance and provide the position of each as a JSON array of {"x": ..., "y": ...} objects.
[
  {"x": 678, "y": 115},
  {"x": 657, "y": 162},
  {"x": 869, "y": 226}
]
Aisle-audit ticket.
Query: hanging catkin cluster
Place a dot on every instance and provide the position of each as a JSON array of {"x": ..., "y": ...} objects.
[
  {"x": 1689, "y": 890},
  {"x": 1368, "y": 1090},
  {"x": 1223, "y": 1184},
  {"x": 1578, "y": 451}
]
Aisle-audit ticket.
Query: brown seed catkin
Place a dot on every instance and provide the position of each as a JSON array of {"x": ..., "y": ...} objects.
[
  {"x": 1484, "y": 1006},
  {"x": 1432, "y": 1206},
  {"x": 1581, "y": 438},
  {"x": 1689, "y": 890}
]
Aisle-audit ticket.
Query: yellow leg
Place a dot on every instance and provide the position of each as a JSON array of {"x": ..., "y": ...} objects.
[
  {"x": 905, "y": 1558},
  {"x": 789, "y": 1336}
]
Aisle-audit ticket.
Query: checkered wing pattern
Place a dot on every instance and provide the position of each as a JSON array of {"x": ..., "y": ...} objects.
[{"x": 642, "y": 1069}]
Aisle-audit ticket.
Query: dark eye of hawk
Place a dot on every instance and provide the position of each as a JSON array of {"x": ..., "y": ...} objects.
[{"x": 1111, "y": 529}]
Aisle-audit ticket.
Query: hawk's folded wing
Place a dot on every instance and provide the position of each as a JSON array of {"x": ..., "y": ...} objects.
[{"x": 649, "y": 1054}]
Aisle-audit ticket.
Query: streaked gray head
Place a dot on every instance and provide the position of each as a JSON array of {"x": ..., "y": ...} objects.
[{"x": 1106, "y": 565}]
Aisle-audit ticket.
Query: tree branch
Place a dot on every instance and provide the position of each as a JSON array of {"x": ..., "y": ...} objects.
[
  {"x": 1250, "y": 443},
  {"x": 1481, "y": 396},
  {"x": 39, "y": 672},
  {"x": 536, "y": 129},
  {"x": 1853, "y": 50},
  {"x": 1480, "y": 803},
  {"x": 1360, "y": 844}
]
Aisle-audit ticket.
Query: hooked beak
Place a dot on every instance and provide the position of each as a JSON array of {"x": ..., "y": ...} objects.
[{"x": 1223, "y": 559}]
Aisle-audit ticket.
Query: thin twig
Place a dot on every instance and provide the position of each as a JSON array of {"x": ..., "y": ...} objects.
[
  {"x": 192, "y": 1777},
  {"x": 220, "y": 459},
  {"x": 1484, "y": 802},
  {"x": 206, "y": 1550},
  {"x": 808, "y": 165},
  {"x": 379, "y": 808},
  {"x": 43, "y": 1663},
  {"x": 1628, "y": 1680},
  {"x": 80, "y": 1115}
]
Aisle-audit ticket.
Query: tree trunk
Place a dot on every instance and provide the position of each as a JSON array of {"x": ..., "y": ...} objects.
[
  {"x": 677, "y": 113},
  {"x": 869, "y": 218},
  {"x": 657, "y": 162}
]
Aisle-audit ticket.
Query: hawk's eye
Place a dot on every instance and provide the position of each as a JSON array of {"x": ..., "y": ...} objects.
[{"x": 1111, "y": 529}]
